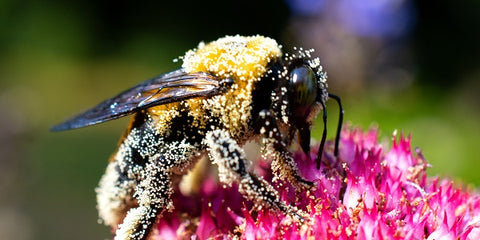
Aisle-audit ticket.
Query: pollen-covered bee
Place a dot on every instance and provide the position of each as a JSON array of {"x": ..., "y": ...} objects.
[{"x": 227, "y": 92}]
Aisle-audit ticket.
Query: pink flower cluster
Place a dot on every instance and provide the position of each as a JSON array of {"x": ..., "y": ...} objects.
[{"x": 369, "y": 193}]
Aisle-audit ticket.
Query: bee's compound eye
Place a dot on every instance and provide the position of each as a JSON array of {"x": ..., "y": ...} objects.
[{"x": 304, "y": 85}]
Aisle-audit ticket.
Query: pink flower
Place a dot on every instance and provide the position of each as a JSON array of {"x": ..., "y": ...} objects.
[{"x": 368, "y": 193}]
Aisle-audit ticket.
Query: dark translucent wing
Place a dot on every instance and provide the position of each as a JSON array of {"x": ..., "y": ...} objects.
[{"x": 167, "y": 88}]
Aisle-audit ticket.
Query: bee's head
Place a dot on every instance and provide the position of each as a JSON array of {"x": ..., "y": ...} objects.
[{"x": 307, "y": 89}]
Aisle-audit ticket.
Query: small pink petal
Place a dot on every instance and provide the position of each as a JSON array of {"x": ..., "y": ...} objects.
[{"x": 206, "y": 225}]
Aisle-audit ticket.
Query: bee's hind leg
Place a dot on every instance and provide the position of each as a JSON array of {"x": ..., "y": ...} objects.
[
  {"x": 232, "y": 166},
  {"x": 153, "y": 196},
  {"x": 153, "y": 193}
]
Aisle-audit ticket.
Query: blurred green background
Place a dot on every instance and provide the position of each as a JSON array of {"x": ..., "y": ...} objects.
[{"x": 407, "y": 65}]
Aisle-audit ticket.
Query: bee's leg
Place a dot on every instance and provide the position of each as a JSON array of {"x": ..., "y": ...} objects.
[
  {"x": 274, "y": 147},
  {"x": 124, "y": 172},
  {"x": 153, "y": 192},
  {"x": 153, "y": 196},
  {"x": 232, "y": 166}
]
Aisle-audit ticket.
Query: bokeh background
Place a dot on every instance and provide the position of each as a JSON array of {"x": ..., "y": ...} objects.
[{"x": 408, "y": 65}]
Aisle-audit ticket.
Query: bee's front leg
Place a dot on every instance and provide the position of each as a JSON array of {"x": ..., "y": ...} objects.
[
  {"x": 274, "y": 147},
  {"x": 232, "y": 166}
]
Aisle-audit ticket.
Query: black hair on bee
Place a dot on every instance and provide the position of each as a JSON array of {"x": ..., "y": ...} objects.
[{"x": 227, "y": 92}]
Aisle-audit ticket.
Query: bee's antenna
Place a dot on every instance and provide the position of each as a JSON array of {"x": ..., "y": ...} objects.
[
  {"x": 340, "y": 123},
  {"x": 324, "y": 135}
]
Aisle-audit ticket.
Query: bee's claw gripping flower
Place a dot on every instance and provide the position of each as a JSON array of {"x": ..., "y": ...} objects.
[{"x": 374, "y": 193}]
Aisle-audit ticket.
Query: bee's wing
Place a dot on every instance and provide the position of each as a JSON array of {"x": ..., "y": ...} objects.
[{"x": 167, "y": 88}]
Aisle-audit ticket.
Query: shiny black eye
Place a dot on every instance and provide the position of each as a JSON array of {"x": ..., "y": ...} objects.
[{"x": 304, "y": 89}]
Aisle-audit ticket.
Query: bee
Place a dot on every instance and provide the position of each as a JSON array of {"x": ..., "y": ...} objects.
[{"x": 226, "y": 93}]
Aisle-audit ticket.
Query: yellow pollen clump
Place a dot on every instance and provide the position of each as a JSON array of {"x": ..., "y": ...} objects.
[
  {"x": 233, "y": 56},
  {"x": 243, "y": 59}
]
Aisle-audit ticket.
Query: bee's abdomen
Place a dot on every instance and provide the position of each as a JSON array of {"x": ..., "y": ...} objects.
[{"x": 141, "y": 142}]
